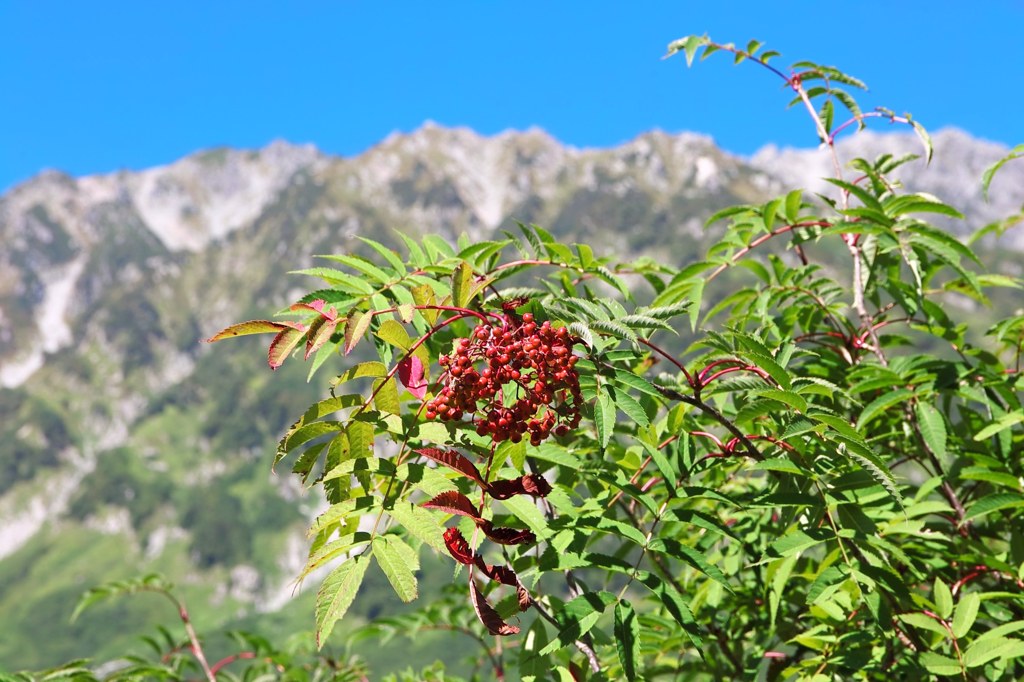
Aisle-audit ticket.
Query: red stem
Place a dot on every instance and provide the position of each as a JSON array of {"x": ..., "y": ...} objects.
[
  {"x": 215, "y": 668},
  {"x": 871, "y": 114},
  {"x": 761, "y": 240},
  {"x": 668, "y": 356}
]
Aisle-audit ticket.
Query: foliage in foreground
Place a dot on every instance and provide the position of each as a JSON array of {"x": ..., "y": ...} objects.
[{"x": 636, "y": 483}]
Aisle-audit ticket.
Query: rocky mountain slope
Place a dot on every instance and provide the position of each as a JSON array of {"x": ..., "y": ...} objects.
[{"x": 127, "y": 445}]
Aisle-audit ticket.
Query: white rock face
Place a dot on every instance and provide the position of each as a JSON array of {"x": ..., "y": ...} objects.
[
  {"x": 16, "y": 372},
  {"x": 186, "y": 205},
  {"x": 954, "y": 175},
  {"x": 207, "y": 196},
  {"x": 489, "y": 175},
  {"x": 21, "y": 518}
]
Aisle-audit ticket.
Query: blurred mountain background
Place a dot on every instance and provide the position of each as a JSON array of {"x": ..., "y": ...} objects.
[{"x": 128, "y": 446}]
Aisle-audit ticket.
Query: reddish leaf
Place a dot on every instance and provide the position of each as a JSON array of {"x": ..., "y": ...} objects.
[
  {"x": 501, "y": 574},
  {"x": 317, "y": 306},
  {"x": 505, "y": 576},
  {"x": 524, "y": 597},
  {"x": 487, "y": 615},
  {"x": 508, "y": 536},
  {"x": 528, "y": 484},
  {"x": 410, "y": 373},
  {"x": 282, "y": 345},
  {"x": 246, "y": 328},
  {"x": 537, "y": 486},
  {"x": 320, "y": 332},
  {"x": 454, "y": 502},
  {"x": 458, "y": 547},
  {"x": 453, "y": 459}
]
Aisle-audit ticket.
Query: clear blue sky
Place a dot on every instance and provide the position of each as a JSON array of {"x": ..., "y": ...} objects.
[{"x": 90, "y": 87}]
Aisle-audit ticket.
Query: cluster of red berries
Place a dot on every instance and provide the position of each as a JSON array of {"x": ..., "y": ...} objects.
[{"x": 527, "y": 383}]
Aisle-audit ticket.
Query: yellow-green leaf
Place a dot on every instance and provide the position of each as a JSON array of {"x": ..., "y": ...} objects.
[
  {"x": 462, "y": 280},
  {"x": 356, "y": 326},
  {"x": 386, "y": 399},
  {"x": 246, "y": 328},
  {"x": 394, "y": 333}
]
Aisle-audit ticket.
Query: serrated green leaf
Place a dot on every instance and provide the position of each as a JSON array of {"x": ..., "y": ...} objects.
[
  {"x": 419, "y": 522},
  {"x": 799, "y": 540},
  {"x": 363, "y": 266},
  {"x": 525, "y": 509},
  {"x": 151, "y": 582},
  {"x": 615, "y": 329},
  {"x": 925, "y": 138},
  {"x": 675, "y": 604},
  {"x": 925, "y": 622},
  {"x": 933, "y": 428},
  {"x": 881, "y": 403},
  {"x": 363, "y": 369},
  {"x": 965, "y": 614},
  {"x": 627, "y": 639},
  {"x": 696, "y": 296},
  {"x": 399, "y": 563},
  {"x": 338, "y": 278},
  {"x": 789, "y": 398},
  {"x": 937, "y": 664},
  {"x": 629, "y": 406},
  {"x": 604, "y": 418},
  {"x": 639, "y": 321},
  {"x": 390, "y": 255},
  {"x": 336, "y": 595},
  {"x": 577, "y": 618},
  {"x": 986, "y": 178},
  {"x": 320, "y": 556},
  {"x": 943, "y": 598},
  {"x": 1002, "y": 648},
  {"x": 1006, "y": 421},
  {"x": 992, "y": 503}
]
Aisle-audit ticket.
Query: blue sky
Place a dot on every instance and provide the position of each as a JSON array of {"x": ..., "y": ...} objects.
[{"x": 90, "y": 87}]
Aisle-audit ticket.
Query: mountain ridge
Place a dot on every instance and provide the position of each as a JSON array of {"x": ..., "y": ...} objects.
[{"x": 120, "y": 429}]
